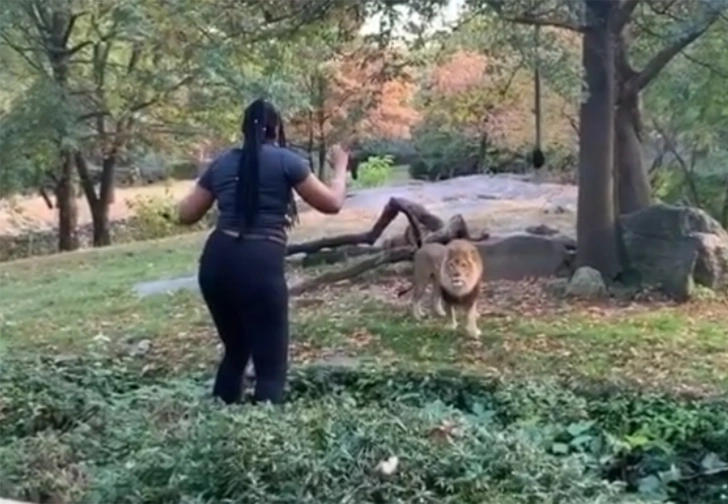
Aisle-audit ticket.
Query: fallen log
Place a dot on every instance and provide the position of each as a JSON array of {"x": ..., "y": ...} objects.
[
  {"x": 341, "y": 254},
  {"x": 455, "y": 228},
  {"x": 386, "y": 257},
  {"x": 416, "y": 214}
]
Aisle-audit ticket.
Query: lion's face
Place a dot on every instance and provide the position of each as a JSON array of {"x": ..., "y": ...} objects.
[{"x": 463, "y": 266}]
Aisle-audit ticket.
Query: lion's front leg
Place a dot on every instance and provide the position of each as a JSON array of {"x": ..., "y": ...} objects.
[
  {"x": 472, "y": 321},
  {"x": 450, "y": 312}
]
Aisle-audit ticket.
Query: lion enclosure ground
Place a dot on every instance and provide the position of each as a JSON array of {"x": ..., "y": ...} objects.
[
  {"x": 84, "y": 301},
  {"x": 112, "y": 405}
]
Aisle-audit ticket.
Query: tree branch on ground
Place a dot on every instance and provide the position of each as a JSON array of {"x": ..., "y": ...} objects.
[
  {"x": 437, "y": 232},
  {"x": 387, "y": 257},
  {"x": 416, "y": 214}
]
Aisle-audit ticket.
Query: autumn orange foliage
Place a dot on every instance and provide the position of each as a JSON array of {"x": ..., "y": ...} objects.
[
  {"x": 477, "y": 94},
  {"x": 352, "y": 96}
]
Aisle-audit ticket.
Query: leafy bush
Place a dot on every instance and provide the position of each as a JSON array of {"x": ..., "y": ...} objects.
[
  {"x": 82, "y": 431},
  {"x": 151, "y": 217},
  {"x": 671, "y": 186},
  {"x": 403, "y": 152},
  {"x": 444, "y": 154},
  {"x": 375, "y": 171},
  {"x": 184, "y": 170}
]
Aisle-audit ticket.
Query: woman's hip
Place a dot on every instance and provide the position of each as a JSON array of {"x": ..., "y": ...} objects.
[{"x": 249, "y": 260}]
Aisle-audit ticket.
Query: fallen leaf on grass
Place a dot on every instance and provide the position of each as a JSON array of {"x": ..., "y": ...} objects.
[
  {"x": 444, "y": 433},
  {"x": 361, "y": 338},
  {"x": 388, "y": 466}
]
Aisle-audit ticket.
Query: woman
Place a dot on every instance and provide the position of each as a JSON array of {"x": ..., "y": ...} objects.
[{"x": 242, "y": 272}]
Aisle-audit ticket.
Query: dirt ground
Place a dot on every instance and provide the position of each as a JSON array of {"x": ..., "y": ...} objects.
[
  {"x": 501, "y": 203},
  {"x": 22, "y": 214}
]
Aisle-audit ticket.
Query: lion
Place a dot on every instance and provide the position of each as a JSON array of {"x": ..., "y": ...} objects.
[{"x": 455, "y": 271}]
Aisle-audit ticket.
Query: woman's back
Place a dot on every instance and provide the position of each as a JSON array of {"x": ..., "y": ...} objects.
[{"x": 279, "y": 171}]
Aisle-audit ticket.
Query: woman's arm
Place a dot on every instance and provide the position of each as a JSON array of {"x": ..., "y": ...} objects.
[
  {"x": 195, "y": 205},
  {"x": 326, "y": 199},
  {"x": 198, "y": 201}
]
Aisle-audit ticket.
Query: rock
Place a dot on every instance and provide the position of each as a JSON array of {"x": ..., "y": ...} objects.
[
  {"x": 542, "y": 230},
  {"x": 521, "y": 256},
  {"x": 167, "y": 286},
  {"x": 586, "y": 283},
  {"x": 673, "y": 247},
  {"x": 140, "y": 348},
  {"x": 711, "y": 266}
]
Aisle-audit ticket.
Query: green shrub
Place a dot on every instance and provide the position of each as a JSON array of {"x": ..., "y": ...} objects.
[
  {"x": 444, "y": 154},
  {"x": 403, "y": 152},
  {"x": 184, "y": 170},
  {"x": 151, "y": 217},
  {"x": 123, "y": 438},
  {"x": 670, "y": 185},
  {"x": 375, "y": 171}
]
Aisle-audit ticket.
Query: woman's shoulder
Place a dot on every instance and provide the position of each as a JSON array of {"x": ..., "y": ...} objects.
[
  {"x": 292, "y": 155},
  {"x": 224, "y": 158}
]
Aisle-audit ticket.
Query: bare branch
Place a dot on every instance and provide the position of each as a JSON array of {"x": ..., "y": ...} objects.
[
  {"x": 723, "y": 74},
  {"x": 543, "y": 21},
  {"x": 671, "y": 147},
  {"x": 148, "y": 103},
  {"x": 667, "y": 53},
  {"x": 22, "y": 52},
  {"x": 93, "y": 115},
  {"x": 69, "y": 29},
  {"x": 84, "y": 174},
  {"x": 73, "y": 50}
]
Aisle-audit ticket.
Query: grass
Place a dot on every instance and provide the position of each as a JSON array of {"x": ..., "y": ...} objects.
[
  {"x": 117, "y": 421},
  {"x": 81, "y": 302}
]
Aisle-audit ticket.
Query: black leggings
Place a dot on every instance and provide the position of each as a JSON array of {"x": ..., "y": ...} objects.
[{"x": 243, "y": 283}]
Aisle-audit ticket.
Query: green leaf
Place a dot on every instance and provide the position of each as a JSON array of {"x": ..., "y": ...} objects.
[
  {"x": 560, "y": 448},
  {"x": 578, "y": 428}
]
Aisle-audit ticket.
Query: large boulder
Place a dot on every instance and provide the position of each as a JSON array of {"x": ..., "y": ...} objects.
[
  {"x": 586, "y": 283},
  {"x": 525, "y": 255},
  {"x": 674, "y": 247}
]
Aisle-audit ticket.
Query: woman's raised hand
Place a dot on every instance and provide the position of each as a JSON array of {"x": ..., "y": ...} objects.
[{"x": 338, "y": 157}]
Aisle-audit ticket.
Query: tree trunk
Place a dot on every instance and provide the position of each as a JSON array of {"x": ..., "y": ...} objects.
[
  {"x": 724, "y": 210},
  {"x": 56, "y": 25},
  {"x": 321, "y": 123},
  {"x": 321, "y": 144},
  {"x": 596, "y": 225},
  {"x": 322, "y": 157},
  {"x": 309, "y": 147},
  {"x": 101, "y": 228},
  {"x": 633, "y": 183},
  {"x": 67, "y": 206},
  {"x": 482, "y": 153},
  {"x": 98, "y": 204}
]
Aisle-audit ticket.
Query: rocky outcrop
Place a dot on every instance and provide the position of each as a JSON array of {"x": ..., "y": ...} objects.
[
  {"x": 525, "y": 255},
  {"x": 674, "y": 247}
]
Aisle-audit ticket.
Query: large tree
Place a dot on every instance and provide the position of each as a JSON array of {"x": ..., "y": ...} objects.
[
  {"x": 112, "y": 73},
  {"x": 642, "y": 37}
]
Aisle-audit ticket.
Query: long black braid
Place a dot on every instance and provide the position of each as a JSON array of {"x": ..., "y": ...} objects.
[{"x": 261, "y": 122}]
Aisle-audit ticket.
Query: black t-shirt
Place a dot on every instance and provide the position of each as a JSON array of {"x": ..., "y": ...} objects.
[{"x": 280, "y": 170}]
